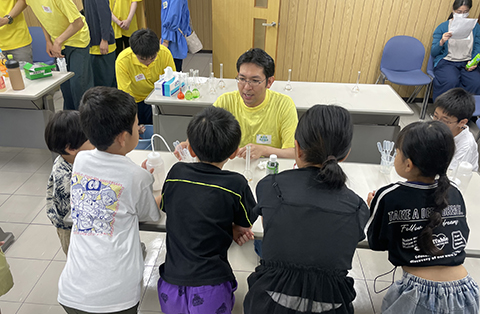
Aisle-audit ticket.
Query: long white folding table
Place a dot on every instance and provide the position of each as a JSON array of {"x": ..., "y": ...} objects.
[
  {"x": 25, "y": 113},
  {"x": 375, "y": 110},
  {"x": 362, "y": 179}
]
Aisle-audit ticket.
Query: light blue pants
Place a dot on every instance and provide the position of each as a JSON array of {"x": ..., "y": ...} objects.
[{"x": 416, "y": 295}]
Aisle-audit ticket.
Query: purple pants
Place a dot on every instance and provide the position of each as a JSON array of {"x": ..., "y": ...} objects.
[{"x": 218, "y": 299}]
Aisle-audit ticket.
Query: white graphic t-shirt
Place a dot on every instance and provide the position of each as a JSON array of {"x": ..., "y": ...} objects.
[{"x": 109, "y": 196}]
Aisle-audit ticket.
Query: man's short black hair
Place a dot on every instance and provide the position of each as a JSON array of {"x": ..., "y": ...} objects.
[
  {"x": 105, "y": 112},
  {"x": 145, "y": 43},
  {"x": 457, "y": 103},
  {"x": 214, "y": 134},
  {"x": 64, "y": 131},
  {"x": 259, "y": 57}
]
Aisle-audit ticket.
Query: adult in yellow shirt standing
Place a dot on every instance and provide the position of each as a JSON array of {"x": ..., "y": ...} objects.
[
  {"x": 139, "y": 67},
  {"x": 15, "y": 38},
  {"x": 124, "y": 21},
  {"x": 268, "y": 119},
  {"x": 67, "y": 35}
]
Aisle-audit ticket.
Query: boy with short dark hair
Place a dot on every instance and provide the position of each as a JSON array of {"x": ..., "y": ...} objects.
[
  {"x": 64, "y": 136},
  {"x": 110, "y": 195},
  {"x": 139, "y": 67},
  {"x": 202, "y": 202},
  {"x": 454, "y": 108}
]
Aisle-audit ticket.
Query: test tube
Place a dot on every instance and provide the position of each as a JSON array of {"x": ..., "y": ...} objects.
[
  {"x": 211, "y": 82},
  {"x": 221, "y": 82},
  {"x": 288, "y": 87},
  {"x": 248, "y": 172}
]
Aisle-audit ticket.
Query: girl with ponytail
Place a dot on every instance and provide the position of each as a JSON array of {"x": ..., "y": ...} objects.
[
  {"x": 312, "y": 224},
  {"x": 422, "y": 224}
]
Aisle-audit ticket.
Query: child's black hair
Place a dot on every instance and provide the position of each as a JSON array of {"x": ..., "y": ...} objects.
[
  {"x": 64, "y": 131},
  {"x": 324, "y": 133},
  {"x": 105, "y": 112},
  {"x": 458, "y": 3},
  {"x": 430, "y": 147},
  {"x": 145, "y": 43},
  {"x": 214, "y": 134},
  {"x": 259, "y": 57},
  {"x": 457, "y": 103}
]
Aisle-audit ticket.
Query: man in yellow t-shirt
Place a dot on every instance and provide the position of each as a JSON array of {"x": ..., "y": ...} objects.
[
  {"x": 124, "y": 21},
  {"x": 139, "y": 67},
  {"x": 67, "y": 35},
  {"x": 15, "y": 38},
  {"x": 268, "y": 119}
]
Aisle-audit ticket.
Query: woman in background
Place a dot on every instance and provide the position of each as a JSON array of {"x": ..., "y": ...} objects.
[
  {"x": 175, "y": 26},
  {"x": 452, "y": 55}
]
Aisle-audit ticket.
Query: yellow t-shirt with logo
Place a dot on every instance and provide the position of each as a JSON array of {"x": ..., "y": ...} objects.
[
  {"x": 272, "y": 123},
  {"x": 56, "y": 16},
  {"x": 136, "y": 78},
  {"x": 121, "y": 9},
  {"x": 15, "y": 35}
]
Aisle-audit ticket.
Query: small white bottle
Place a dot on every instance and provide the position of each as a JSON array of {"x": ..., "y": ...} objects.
[
  {"x": 155, "y": 162},
  {"x": 272, "y": 165},
  {"x": 464, "y": 174}
]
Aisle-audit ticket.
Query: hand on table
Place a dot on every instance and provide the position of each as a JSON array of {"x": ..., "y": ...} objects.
[
  {"x": 242, "y": 235},
  {"x": 256, "y": 151}
]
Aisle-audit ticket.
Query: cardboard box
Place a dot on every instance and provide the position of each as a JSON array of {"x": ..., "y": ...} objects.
[{"x": 38, "y": 70}]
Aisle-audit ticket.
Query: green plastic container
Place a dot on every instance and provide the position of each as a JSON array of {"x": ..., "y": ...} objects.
[{"x": 38, "y": 70}]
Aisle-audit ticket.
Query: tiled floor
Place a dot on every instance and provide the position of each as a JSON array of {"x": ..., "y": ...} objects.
[{"x": 36, "y": 259}]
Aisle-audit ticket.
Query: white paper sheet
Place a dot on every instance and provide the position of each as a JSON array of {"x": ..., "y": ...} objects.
[{"x": 462, "y": 27}]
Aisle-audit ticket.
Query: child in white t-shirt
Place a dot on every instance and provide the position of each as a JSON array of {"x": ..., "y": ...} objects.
[
  {"x": 110, "y": 195},
  {"x": 454, "y": 108}
]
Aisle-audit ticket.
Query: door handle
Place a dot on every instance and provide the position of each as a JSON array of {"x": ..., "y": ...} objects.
[{"x": 269, "y": 24}]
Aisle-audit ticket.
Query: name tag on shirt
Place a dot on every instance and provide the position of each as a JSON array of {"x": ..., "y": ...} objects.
[
  {"x": 264, "y": 139},
  {"x": 46, "y": 9},
  {"x": 139, "y": 77}
]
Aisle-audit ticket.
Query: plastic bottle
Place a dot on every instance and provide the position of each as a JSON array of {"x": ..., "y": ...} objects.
[
  {"x": 474, "y": 61},
  {"x": 272, "y": 165},
  {"x": 13, "y": 68},
  {"x": 155, "y": 162},
  {"x": 464, "y": 174}
]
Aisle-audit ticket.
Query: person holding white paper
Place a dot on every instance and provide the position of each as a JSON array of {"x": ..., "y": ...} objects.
[{"x": 451, "y": 54}]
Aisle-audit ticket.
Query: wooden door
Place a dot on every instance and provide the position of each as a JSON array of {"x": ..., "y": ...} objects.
[{"x": 239, "y": 25}]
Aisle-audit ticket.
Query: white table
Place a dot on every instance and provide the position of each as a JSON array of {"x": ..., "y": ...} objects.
[
  {"x": 362, "y": 178},
  {"x": 375, "y": 110},
  {"x": 25, "y": 113}
]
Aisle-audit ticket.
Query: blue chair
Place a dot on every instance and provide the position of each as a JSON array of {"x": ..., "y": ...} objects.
[
  {"x": 39, "y": 46},
  {"x": 401, "y": 64},
  {"x": 144, "y": 142}
]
